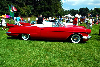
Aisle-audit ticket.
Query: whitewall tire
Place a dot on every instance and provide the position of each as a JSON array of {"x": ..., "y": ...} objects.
[
  {"x": 25, "y": 36},
  {"x": 75, "y": 38}
]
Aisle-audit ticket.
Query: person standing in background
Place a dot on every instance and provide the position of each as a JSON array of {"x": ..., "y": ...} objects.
[
  {"x": 66, "y": 19},
  {"x": 53, "y": 18},
  {"x": 10, "y": 19},
  {"x": 36, "y": 20},
  {"x": 15, "y": 20},
  {"x": 91, "y": 22},
  {"x": 40, "y": 20},
  {"x": 28, "y": 19},
  {"x": 61, "y": 18},
  {"x": 75, "y": 20},
  {"x": 18, "y": 19},
  {"x": 3, "y": 23},
  {"x": 71, "y": 21},
  {"x": 21, "y": 18},
  {"x": 87, "y": 22}
]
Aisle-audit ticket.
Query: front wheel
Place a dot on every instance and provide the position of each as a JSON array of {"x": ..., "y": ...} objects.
[
  {"x": 75, "y": 38},
  {"x": 25, "y": 36}
]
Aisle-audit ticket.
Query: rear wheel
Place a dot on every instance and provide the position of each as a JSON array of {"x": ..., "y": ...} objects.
[
  {"x": 75, "y": 38},
  {"x": 25, "y": 36}
]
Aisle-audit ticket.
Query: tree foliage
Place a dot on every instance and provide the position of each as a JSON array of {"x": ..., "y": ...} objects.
[
  {"x": 95, "y": 11},
  {"x": 73, "y": 12},
  {"x": 32, "y": 7},
  {"x": 84, "y": 11},
  {"x": 45, "y": 7}
]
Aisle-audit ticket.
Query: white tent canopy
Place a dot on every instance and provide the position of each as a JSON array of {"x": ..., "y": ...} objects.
[
  {"x": 78, "y": 16},
  {"x": 73, "y": 16},
  {"x": 68, "y": 15}
]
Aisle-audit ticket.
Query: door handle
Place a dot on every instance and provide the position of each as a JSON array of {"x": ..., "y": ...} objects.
[{"x": 42, "y": 29}]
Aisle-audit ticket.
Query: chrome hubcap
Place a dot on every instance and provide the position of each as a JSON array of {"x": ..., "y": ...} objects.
[
  {"x": 76, "y": 38},
  {"x": 25, "y": 36}
]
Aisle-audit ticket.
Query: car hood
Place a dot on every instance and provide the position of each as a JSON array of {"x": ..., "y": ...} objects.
[{"x": 73, "y": 28}]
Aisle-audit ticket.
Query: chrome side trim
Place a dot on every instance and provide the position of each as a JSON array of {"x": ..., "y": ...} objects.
[{"x": 8, "y": 32}]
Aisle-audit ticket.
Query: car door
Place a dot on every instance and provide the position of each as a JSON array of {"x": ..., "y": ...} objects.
[
  {"x": 50, "y": 32},
  {"x": 35, "y": 32},
  {"x": 64, "y": 32}
]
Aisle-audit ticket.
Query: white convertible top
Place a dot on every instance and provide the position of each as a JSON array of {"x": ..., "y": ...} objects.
[
  {"x": 45, "y": 24},
  {"x": 49, "y": 24}
]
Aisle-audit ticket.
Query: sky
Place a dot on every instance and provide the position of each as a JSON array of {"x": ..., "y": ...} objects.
[{"x": 77, "y": 4}]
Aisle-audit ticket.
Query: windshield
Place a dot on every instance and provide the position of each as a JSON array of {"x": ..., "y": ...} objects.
[
  {"x": 53, "y": 20},
  {"x": 58, "y": 23}
]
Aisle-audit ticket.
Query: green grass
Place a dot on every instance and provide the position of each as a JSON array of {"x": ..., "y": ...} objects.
[{"x": 34, "y": 53}]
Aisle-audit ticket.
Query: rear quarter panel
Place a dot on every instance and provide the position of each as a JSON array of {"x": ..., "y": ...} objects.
[{"x": 33, "y": 31}]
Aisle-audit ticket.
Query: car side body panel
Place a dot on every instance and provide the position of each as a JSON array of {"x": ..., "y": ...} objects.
[{"x": 50, "y": 33}]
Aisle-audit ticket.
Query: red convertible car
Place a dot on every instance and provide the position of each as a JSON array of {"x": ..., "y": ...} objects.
[{"x": 75, "y": 34}]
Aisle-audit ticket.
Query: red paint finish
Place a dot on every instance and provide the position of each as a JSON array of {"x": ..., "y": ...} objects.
[
  {"x": 22, "y": 24},
  {"x": 52, "y": 33},
  {"x": 14, "y": 35}
]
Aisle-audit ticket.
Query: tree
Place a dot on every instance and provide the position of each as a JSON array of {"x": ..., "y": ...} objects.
[
  {"x": 4, "y": 9},
  {"x": 73, "y": 12},
  {"x": 33, "y": 7},
  {"x": 84, "y": 11},
  {"x": 96, "y": 11},
  {"x": 66, "y": 12}
]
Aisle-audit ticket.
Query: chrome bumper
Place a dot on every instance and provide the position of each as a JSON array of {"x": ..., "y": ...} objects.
[{"x": 86, "y": 37}]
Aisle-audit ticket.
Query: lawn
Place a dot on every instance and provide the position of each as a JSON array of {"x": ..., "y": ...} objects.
[{"x": 15, "y": 52}]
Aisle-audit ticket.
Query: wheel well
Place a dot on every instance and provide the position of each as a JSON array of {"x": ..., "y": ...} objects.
[
  {"x": 20, "y": 36},
  {"x": 69, "y": 38},
  {"x": 73, "y": 34}
]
